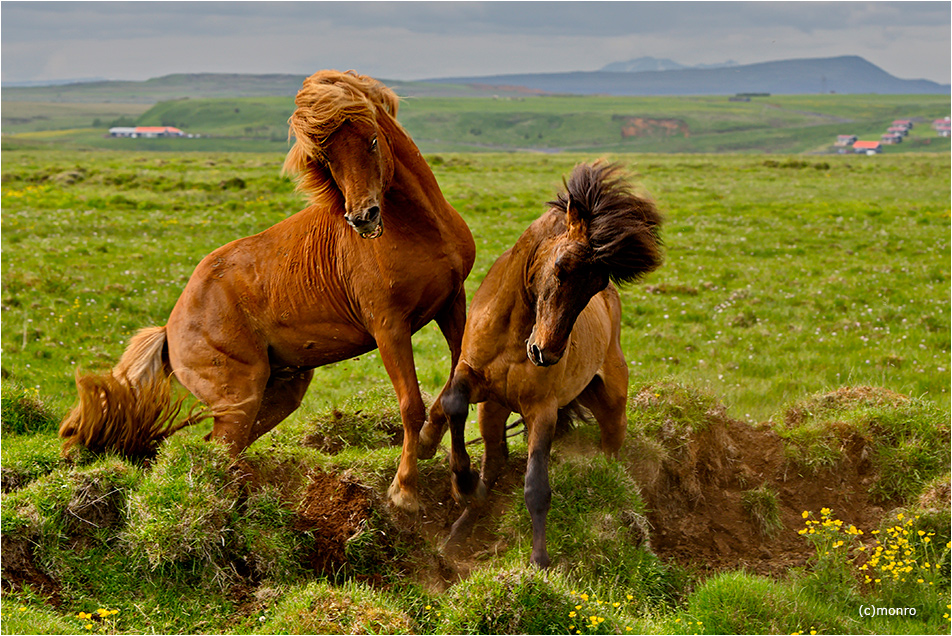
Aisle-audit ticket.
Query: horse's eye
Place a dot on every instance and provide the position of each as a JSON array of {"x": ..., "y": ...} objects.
[{"x": 373, "y": 145}]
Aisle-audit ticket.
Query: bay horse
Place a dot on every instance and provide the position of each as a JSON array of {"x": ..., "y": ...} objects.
[
  {"x": 543, "y": 335},
  {"x": 377, "y": 254}
]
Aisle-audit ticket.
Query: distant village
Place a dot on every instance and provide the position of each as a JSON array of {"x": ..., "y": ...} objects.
[
  {"x": 844, "y": 143},
  {"x": 147, "y": 132},
  {"x": 894, "y": 135}
]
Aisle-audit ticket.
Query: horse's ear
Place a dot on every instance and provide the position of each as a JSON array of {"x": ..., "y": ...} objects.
[{"x": 574, "y": 223}]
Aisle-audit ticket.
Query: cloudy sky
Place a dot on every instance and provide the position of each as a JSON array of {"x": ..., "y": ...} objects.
[{"x": 415, "y": 40}]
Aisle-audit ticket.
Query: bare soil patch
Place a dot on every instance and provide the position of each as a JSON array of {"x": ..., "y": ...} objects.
[{"x": 332, "y": 509}]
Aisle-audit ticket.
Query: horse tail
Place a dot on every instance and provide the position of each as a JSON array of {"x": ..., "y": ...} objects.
[{"x": 130, "y": 409}]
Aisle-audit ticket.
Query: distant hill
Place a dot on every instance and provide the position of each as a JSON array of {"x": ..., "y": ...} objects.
[
  {"x": 641, "y": 64},
  {"x": 844, "y": 75},
  {"x": 213, "y": 85},
  {"x": 178, "y": 86}
]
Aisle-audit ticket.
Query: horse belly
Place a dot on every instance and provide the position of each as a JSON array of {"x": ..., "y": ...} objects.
[{"x": 318, "y": 345}]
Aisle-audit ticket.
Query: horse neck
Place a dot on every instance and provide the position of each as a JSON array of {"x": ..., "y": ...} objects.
[
  {"x": 522, "y": 260},
  {"x": 413, "y": 181}
]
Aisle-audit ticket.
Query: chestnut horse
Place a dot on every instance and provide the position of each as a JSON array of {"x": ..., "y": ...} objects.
[
  {"x": 543, "y": 334},
  {"x": 376, "y": 255}
]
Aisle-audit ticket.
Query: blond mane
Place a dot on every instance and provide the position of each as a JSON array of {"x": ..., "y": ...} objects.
[{"x": 326, "y": 100}]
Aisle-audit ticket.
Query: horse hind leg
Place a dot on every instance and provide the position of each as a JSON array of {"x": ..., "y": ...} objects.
[
  {"x": 232, "y": 396},
  {"x": 282, "y": 396}
]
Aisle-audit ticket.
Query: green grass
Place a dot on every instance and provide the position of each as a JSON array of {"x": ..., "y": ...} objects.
[
  {"x": 786, "y": 281},
  {"x": 777, "y": 124},
  {"x": 780, "y": 281}
]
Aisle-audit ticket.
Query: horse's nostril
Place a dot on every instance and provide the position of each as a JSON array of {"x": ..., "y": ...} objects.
[
  {"x": 373, "y": 212},
  {"x": 535, "y": 354}
]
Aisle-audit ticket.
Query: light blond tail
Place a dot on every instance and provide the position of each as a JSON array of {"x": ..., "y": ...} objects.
[{"x": 129, "y": 410}]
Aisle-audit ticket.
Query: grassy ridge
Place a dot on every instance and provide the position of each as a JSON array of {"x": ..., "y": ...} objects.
[{"x": 778, "y": 124}]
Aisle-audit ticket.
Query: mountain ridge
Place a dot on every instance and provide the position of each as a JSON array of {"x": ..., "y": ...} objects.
[{"x": 848, "y": 74}]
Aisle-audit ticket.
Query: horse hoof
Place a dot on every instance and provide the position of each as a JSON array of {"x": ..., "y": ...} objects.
[
  {"x": 428, "y": 443},
  {"x": 466, "y": 485},
  {"x": 404, "y": 500},
  {"x": 425, "y": 450}
]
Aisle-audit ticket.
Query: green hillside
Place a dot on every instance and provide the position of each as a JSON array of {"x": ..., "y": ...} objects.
[{"x": 772, "y": 124}]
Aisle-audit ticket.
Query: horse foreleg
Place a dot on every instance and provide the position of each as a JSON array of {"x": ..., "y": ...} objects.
[
  {"x": 396, "y": 352},
  {"x": 467, "y": 482},
  {"x": 451, "y": 320},
  {"x": 606, "y": 397},
  {"x": 538, "y": 493},
  {"x": 455, "y": 402}
]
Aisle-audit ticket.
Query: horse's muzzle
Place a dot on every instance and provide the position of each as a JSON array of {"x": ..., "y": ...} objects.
[{"x": 368, "y": 223}]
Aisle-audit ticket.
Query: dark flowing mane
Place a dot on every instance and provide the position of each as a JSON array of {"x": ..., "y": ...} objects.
[
  {"x": 326, "y": 100},
  {"x": 623, "y": 228}
]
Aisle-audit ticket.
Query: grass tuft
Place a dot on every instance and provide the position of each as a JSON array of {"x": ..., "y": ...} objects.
[
  {"x": 321, "y": 608},
  {"x": 763, "y": 506},
  {"x": 24, "y": 413}
]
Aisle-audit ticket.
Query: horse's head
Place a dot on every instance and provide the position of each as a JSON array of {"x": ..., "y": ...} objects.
[
  {"x": 610, "y": 234},
  {"x": 359, "y": 161},
  {"x": 341, "y": 155},
  {"x": 561, "y": 280}
]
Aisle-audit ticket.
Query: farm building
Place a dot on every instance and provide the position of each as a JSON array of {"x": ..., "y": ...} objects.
[
  {"x": 146, "y": 131},
  {"x": 891, "y": 138},
  {"x": 845, "y": 140},
  {"x": 898, "y": 130},
  {"x": 905, "y": 123},
  {"x": 867, "y": 147},
  {"x": 942, "y": 126}
]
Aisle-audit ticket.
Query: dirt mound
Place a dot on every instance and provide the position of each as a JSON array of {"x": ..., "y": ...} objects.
[
  {"x": 648, "y": 127},
  {"x": 702, "y": 494},
  {"x": 333, "y": 509}
]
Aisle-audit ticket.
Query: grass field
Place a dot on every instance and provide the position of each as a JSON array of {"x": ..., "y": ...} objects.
[
  {"x": 786, "y": 277},
  {"x": 782, "y": 278},
  {"x": 777, "y": 124}
]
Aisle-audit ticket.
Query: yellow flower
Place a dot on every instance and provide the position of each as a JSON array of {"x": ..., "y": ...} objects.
[
  {"x": 806, "y": 514},
  {"x": 572, "y": 614},
  {"x": 825, "y": 512}
]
